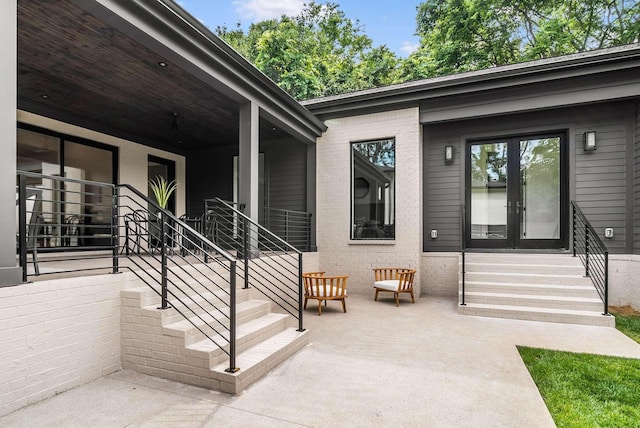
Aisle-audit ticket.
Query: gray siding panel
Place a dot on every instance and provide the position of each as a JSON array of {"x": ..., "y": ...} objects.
[
  {"x": 286, "y": 174},
  {"x": 636, "y": 140}
]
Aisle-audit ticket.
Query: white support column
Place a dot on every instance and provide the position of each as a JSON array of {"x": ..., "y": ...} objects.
[
  {"x": 9, "y": 273},
  {"x": 248, "y": 159}
]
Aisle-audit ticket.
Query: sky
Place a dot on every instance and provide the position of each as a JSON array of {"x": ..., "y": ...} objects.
[{"x": 386, "y": 22}]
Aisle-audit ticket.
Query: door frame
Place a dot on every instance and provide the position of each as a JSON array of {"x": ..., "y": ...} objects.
[{"x": 513, "y": 170}]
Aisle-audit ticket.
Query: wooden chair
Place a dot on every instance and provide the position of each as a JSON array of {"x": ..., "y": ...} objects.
[
  {"x": 394, "y": 280},
  {"x": 323, "y": 288}
]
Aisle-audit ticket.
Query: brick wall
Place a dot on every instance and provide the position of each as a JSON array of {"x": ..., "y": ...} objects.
[
  {"x": 337, "y": 253},
  {"x": 56, "y": 335}
]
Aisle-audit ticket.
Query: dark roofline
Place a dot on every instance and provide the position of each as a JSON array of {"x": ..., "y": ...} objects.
[{"x": 411, "y": 93}]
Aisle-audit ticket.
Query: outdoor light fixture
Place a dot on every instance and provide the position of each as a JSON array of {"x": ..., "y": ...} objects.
[
  {"x": 448, "y": 154},
  {"x": 590, "y": 141},
  {"x": 162, "y": 64}
]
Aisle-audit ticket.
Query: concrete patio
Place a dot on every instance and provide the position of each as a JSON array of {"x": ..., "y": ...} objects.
[{"x": 377, "y": 365}]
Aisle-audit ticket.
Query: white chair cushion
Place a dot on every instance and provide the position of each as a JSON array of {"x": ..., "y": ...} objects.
[
  {"x": 389, "y": 284},
  {"x": 319, "y": 291}
]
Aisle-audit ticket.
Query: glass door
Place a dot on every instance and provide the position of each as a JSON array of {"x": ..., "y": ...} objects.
[{"x": 516, "y": 193}]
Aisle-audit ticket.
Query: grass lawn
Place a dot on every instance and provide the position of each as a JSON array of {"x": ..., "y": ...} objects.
[{"x": 584, "y": 390}]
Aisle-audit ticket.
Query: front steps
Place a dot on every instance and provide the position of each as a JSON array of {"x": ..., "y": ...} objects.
[
  {"x": 536, "y": 287},
  {"x": 162, "y": 343}
]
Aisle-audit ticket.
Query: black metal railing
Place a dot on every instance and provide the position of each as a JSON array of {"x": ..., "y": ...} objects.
[
  {"x": 594, "y": 254},
  {"x": 92, "y": 226},
  {"x": 292, "y": 226},
  {"x": 267, "y": 263},
  {"x": 66, "y": 216},
  {"x": 463, "y": 237},
  {"x": 190, "y": 274}
]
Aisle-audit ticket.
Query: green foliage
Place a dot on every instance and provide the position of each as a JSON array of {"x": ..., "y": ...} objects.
[
  {"x": 317, "y": 53},
  {"x": 629, "y": 325},
  {"x": 582, "y": 390},
  {"x": 321, "y": 52},
  {"x": 462, "y": 35},
  {"x": 162, "y": 190}
]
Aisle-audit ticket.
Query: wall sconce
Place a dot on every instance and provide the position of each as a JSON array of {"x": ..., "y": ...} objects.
[
  {"x": 448, "y": 154},
  {"x": 590, "y": 141}
]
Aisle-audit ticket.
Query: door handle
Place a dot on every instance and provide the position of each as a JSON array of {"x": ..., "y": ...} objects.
[
  {"x": 509, "y": 207},
  {"x": 518, "y": 207}
]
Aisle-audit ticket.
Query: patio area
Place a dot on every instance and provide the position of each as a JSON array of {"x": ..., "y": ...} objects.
[{"x": 420, "y": 364}]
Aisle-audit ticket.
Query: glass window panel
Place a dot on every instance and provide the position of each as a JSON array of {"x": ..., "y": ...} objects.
[
  {"x": 489, "y": 191},
  {"x": 373, "y": 189},
  {"x": 87, "y": 208},
  {"x": 540, "y": 188}
]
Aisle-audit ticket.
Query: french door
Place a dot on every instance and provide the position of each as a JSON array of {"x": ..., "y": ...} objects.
[{"x": 517, "y": 192}]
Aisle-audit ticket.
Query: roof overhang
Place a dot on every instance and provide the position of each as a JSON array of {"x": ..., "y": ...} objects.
[
  {"x": 595, "y": 76},
  {"x": 97, "y": 64}
]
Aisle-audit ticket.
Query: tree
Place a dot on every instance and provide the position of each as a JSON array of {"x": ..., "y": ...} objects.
[
  {"x": 462, "y": 35},
  {"x": 317, "y": 53}
]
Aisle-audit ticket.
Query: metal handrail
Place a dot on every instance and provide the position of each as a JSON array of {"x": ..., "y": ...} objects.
[
  {"x": 184, "y": 268},
  {"x": 292, "y": 226},
  {"x": 463, "y": 237},
  {"x": 592, "y": 252},
  {"x": 270, "y": 265}
]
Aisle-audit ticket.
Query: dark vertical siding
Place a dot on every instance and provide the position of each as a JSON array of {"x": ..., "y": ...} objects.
[
  {"x": 601, "y": 176},
  {"x": 636, "y": 140},
  {"x": 286, "y": 162},
  {"x": 599, "y": 181},
  {"x": 442, "y": 194}
]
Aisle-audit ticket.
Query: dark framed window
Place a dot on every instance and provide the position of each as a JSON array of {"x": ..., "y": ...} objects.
[{"x": 373, "y": 183}]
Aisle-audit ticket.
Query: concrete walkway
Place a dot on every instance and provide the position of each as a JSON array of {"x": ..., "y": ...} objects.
[{"x": 377, "y": 365}]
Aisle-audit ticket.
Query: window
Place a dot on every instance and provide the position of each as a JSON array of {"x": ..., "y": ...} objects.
[{"x": 373, "y": 186}]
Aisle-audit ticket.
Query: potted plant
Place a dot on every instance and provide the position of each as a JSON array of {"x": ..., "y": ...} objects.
[{"x": 162, "y": 190}]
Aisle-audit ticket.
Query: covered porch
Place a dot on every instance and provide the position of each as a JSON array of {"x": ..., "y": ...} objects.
[{"x": 154, "y": 91}]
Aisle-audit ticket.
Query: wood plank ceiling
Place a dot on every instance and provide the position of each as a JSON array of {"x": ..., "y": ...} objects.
[{"x": 73, "y": 67}]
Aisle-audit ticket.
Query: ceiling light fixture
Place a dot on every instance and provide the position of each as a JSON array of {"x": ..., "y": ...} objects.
[
  {"x": 45, "y": 96},
  {"x": 174, "y": 127},
  {"x": 162, "y": 64}
]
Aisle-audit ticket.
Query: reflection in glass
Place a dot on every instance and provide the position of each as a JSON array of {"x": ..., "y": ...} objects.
[
  {"x": 373, "y": 190},
  {"x": 540, "y": 188},
  {"x": 489, "y": 191}
]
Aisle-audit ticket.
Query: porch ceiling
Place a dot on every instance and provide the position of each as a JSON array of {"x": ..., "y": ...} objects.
[{"x": 75, "y": 68}]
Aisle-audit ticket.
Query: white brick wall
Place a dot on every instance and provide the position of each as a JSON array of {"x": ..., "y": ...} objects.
[
  {"x": 440, "y": 273},
  {"x": 337, "y": 253},
  {"x": 624, "y": 286},
  {"x": 56, "y": 335}
]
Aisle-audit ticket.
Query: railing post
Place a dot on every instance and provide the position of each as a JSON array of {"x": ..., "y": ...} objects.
[
  {"x": 245, "y": 250},
  {"x": 606, "y": 283},
  {"x": 463, "y": 273},
  {"x": 232, "y": 320},
  {"x": 286, "y": 226},
  {"x": 300, "y": 294},
  {"x": 586, "y": 250},
  {"x": 573, "y": 216},
  {"x": 115, "y": 235},
  {"x": 308, "y": 231},
  {"x": 22, "y": 224},
  {"x": 163, "y": 258}
]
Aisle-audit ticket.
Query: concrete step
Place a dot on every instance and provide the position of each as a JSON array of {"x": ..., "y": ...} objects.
[
  {"x": 199, "y": 302},
  {"x": 256, "y": 361},
  {"x": 541, "y": 301},
  {"x": 189, "y": 330},
  {"x": 538, "y": 314},
  {"x": 248, "y": 334},
  {"x": 523, "y": 258},
  {"x": 526, "y": 278},
  {"x": 539, "y": 268},
  {"x": 586, "y": 290}
]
